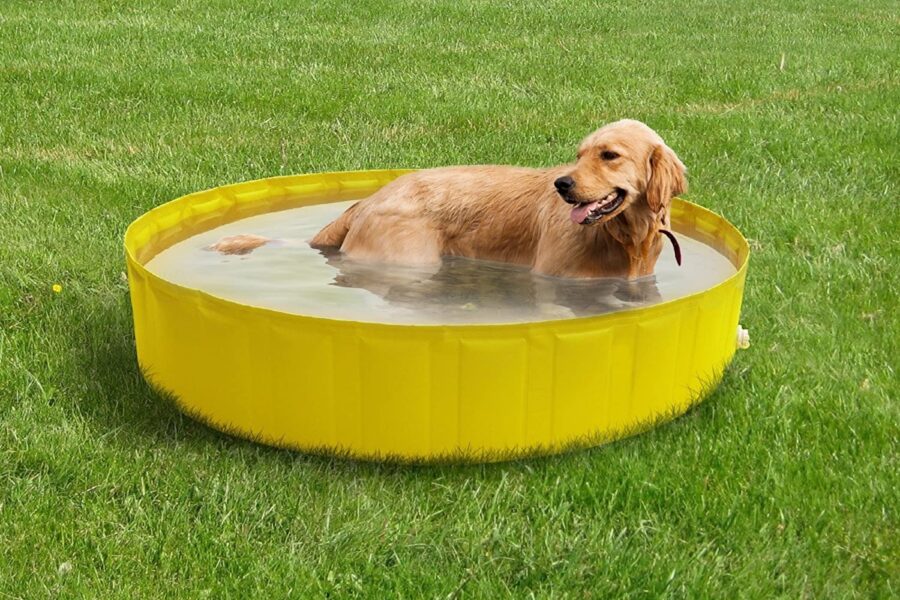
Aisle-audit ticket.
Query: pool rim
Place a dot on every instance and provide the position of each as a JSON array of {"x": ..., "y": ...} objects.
[{"x": 742, "y": 252}]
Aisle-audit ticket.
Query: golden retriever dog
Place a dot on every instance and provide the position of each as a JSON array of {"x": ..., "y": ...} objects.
[{"x": 603, "y": 216}]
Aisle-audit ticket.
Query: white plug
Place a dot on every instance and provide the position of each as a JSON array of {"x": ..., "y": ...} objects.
[{"x": 743, "y": 338}]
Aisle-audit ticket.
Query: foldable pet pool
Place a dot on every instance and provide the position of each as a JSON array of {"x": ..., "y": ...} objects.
[{"x": 419, "y": 392}]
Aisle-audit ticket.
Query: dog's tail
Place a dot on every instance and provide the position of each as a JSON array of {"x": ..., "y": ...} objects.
[{"x": 333, "y": 234}]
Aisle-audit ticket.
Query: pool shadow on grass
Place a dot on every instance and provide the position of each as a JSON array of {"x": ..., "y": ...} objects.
[
  {"x": 126, "y": 402},
  {"x": 127, "y": 410}
]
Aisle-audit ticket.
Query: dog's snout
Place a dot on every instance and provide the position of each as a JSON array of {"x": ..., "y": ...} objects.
[{"x": 564, "y": 185}]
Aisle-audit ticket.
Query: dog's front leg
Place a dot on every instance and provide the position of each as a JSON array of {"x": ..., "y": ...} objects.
[{"x": 635, "y": 264}]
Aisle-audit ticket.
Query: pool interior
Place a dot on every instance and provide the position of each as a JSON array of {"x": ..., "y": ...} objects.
[{"x": 291, "y": 277}]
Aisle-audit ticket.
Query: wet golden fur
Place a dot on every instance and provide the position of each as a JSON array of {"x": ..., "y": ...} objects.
[{"x": 516, "y": 215}]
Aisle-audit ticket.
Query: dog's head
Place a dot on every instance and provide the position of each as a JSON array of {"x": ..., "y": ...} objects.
[{"x": 622, "y": 166}]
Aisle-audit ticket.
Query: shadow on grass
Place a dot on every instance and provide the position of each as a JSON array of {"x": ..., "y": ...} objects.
[{"x": 127, "y": 403}]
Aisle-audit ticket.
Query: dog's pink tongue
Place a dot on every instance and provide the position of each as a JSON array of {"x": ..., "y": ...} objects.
[{"x": 580, "y": 212}]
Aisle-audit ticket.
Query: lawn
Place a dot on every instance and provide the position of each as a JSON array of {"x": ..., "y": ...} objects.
[{"x": 783, "y": 483}]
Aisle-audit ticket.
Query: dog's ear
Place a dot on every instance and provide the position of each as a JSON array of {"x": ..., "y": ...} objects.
[{"x": 666, "y": 178}]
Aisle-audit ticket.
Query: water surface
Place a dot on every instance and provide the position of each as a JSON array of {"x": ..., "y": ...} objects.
[{"x": 292, "y": 277}]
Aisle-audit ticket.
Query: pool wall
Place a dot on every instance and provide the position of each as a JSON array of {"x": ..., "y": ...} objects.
[{"x": 410, "y": 392}]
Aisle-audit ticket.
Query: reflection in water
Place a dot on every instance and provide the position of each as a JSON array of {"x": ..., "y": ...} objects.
[
  {"x": 460, "y": 287},
  {"x": 292, "y": 277}
]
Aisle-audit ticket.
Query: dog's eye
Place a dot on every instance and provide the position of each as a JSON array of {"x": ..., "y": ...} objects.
[{"x": 609, "y": 155}]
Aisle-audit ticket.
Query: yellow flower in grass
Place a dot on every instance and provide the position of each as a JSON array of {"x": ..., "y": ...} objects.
[{"x": 57, "y": 288}]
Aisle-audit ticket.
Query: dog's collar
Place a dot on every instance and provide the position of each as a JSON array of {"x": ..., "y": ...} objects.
[{"x": 675, "y": 245}]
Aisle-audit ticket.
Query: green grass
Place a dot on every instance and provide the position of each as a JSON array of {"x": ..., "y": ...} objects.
[{"x": 783, "y": 483}]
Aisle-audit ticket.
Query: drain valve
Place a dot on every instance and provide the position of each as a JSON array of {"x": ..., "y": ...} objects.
[{"x": 743, "y": 338}]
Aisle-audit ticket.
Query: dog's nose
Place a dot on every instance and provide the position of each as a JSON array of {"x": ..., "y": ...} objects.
[{"x": 564, "y": 185}]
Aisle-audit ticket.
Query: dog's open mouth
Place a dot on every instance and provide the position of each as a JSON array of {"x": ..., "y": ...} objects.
[{"x": 585, "y": 213}]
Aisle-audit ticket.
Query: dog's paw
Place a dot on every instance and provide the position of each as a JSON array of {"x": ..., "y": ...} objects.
[{"x": 239, "y": 244}]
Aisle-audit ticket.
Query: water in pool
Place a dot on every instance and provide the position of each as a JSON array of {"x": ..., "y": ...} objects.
[{"x": 291, "y": 277}]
